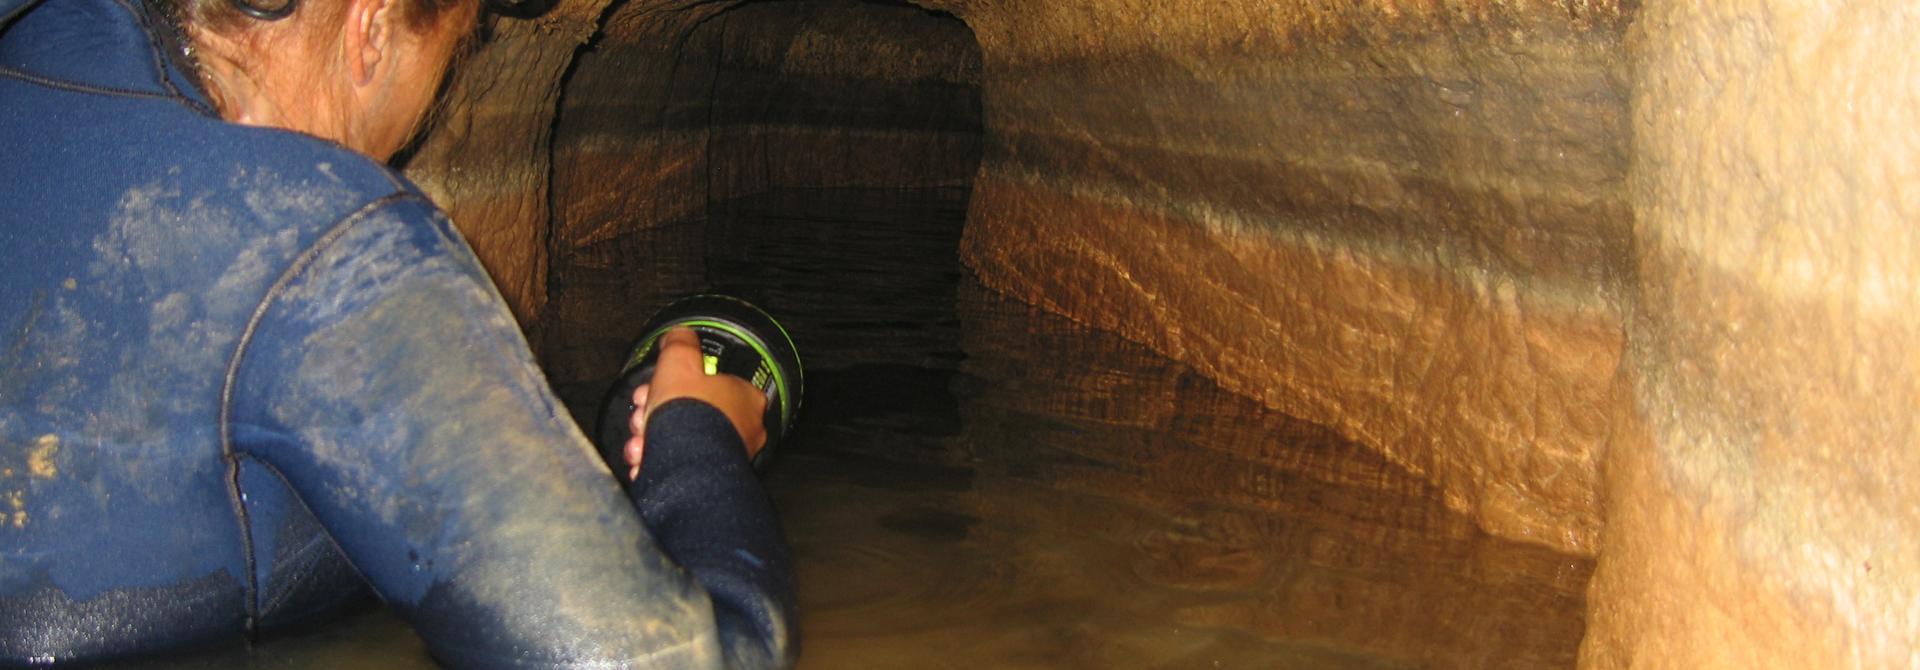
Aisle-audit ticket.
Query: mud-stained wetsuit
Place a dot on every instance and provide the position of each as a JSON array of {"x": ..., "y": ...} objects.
[{"x": 246, "y": 374}]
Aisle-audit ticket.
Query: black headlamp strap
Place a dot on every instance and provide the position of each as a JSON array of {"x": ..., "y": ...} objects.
[
  {"x": 12, "y": 9},
  {"x": 519, "y": 9},
  {"x": 266, "y": 10},
  {"x": 274, "y": 10}
]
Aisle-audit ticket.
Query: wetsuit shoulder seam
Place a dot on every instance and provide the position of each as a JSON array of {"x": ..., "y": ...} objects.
[
  {"x": 170, "y": 90},
  {"x": 30, "y": 78},
  {"x": 227, "y": 452}
]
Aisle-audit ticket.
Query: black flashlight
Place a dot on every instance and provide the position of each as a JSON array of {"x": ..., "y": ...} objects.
[{"x": 736, "y": 339}]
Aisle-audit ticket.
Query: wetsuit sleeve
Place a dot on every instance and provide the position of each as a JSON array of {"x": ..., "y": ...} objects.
[
  {"x": 385, "y": 381},
  {"x": 702, "y": 500}
]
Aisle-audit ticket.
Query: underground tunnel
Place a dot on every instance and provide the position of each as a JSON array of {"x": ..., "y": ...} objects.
[{"x": 1449, "y": 333}]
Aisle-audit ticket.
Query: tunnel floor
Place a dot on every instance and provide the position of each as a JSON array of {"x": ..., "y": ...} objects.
[{"x": 977, "y": 484}]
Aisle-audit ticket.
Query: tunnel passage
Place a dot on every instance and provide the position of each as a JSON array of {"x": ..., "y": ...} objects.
[
  {"x": 765, "y": 106},
  {"x": 947, "y": 445},
  {"x": 1621, "y": 277}
]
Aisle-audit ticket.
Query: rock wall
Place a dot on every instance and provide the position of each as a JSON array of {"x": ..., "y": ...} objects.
[
  {"x": 1762, "y": 503},
  {"x": 841, "y": 94},
  {"x": 1586, "y": 265},
  {"x": 630, "y": 141},
  {"x": 674, "y": 112},
  {"x": 716, "y": 103},
  {"x": 1403, "y": 220},
  {"x": 487, "y": 157}
]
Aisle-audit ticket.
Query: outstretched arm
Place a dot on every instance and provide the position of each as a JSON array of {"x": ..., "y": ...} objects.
[
  {"x": 387, "y": 383},
  {"x": 693, "y": 491}
]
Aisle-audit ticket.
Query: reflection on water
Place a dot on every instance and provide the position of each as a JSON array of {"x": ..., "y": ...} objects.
[
  {"x": 376, "y": 639},
  {"x": 1098, "y": 506},
  {"x": 975, "y": 484}
]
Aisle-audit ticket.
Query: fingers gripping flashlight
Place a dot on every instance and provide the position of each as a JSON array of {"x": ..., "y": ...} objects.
[{"x": 736, "y": 339}]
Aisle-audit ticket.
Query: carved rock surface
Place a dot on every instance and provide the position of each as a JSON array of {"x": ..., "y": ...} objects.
[
  {"x": 1635, "y": 280},
  {"x": 487, "y": 157},
  {"x": 676, "y": 111},
  {"x": 1763, "y": 503},
  {"x": 1402, "y": 220}
]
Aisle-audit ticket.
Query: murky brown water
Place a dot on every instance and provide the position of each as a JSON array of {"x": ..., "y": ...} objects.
[{"x": 975, "y": 484}]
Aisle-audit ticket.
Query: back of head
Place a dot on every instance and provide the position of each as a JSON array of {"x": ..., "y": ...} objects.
[{"x": 362, "y": 73}]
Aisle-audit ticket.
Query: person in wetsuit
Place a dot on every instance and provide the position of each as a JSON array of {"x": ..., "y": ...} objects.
[{"x": 247, "y": 372}]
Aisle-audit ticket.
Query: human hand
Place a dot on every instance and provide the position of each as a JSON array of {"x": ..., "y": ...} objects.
[{"x": 681, "y": 373}]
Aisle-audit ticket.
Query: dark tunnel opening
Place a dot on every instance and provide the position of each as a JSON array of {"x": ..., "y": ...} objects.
[{"x": 807, "y": 111}]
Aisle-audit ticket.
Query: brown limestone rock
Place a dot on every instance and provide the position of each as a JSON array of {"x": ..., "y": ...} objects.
[
  {"x": 486, "y": 159},
  {"x": 630, "y": 142},
  {"x": 673, "y": 110},
  {"x": 676, "y": 112},
  {"x": 1403, "y": 220},
  {"x": 1763, "y": 510}
]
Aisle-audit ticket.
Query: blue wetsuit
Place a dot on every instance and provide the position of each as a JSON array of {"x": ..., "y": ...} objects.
[{"x": 246, "y": 374}]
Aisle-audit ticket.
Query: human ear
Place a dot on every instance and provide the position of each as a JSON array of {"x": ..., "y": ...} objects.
[{"x": 367, "y": 36}]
